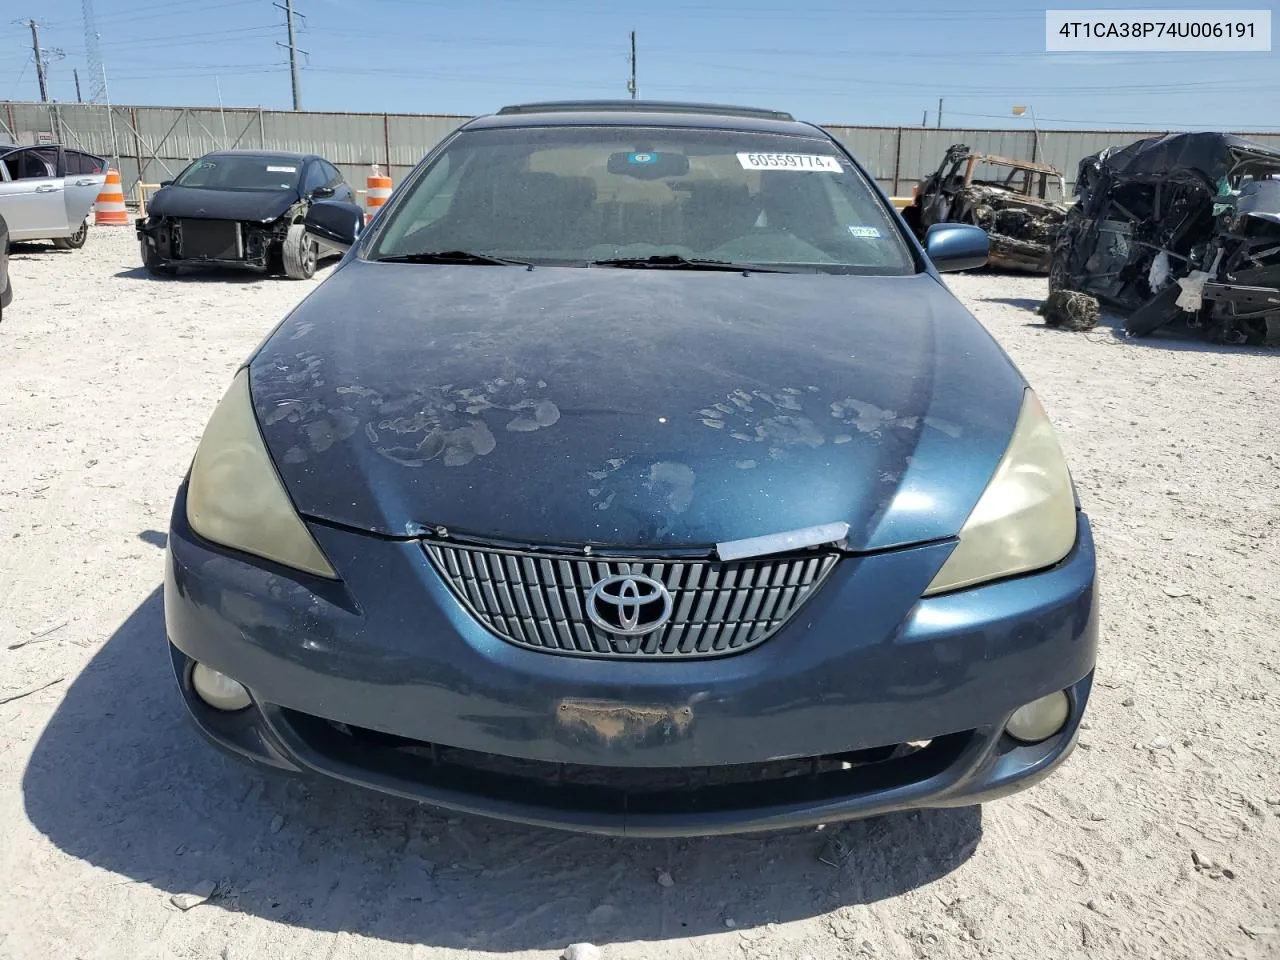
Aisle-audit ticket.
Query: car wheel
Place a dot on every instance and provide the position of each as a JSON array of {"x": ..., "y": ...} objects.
[
  {"x": 301, "y": 254},
  {"x": 153, "y": 264},
  {"x": 76, "y": 240}
]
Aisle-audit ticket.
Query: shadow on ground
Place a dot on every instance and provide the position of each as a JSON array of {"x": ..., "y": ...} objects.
[
  {"x": 1110, "y": 329},
  {"x": 28, "y": 249},
  {"x": 201, "y": 275},
  {"x": 120, "y": 780},
  {"x": 1023, "y": 303},
  {"x": 212, "y": 274}
]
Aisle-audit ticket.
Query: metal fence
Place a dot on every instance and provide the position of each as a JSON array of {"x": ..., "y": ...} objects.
[{"x": 150, "y": 144}]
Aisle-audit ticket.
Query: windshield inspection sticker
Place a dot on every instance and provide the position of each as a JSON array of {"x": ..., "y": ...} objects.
[
  {"x": 789, "y": 161},
  {"x": 642, "y": 158},
  {"x": 282, "y": 169},
  {"x": 870, "y": 233}
]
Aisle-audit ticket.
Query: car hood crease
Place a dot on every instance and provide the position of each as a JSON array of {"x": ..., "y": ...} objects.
[{"x": 648, "y": 409}]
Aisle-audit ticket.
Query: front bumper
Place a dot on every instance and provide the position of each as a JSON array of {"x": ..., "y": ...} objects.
[
  {"x": 260, "y": 244},
  {"x": 426, "y": 703}
]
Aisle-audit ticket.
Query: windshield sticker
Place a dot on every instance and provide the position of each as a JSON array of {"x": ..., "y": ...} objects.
[
  {"x": 642, "y": 158},
  {"x": 869, "y": 233},
  {"x": 798, "y": 162},
  {"x": 282, "y": 169}
]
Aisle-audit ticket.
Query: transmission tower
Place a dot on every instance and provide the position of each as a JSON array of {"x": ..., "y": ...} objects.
[{"x": 97, "y": 76}]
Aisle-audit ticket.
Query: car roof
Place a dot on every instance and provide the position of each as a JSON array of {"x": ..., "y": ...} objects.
[
  {"x": 1018, "y": 164},
  {"x": 265, "y": 154},
  {"x": 644, "y": 113}
]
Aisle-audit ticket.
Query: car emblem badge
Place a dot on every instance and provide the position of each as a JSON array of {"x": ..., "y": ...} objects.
[{"x": 629, "y": 604}]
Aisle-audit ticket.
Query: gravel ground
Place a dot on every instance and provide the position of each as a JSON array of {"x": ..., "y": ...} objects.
[{"x": 1159, "y": 838}]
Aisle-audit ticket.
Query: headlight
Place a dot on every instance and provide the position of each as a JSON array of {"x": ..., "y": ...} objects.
[
  {"x": 1025, "y": 519},
  {"x": 235, "y": 497}
]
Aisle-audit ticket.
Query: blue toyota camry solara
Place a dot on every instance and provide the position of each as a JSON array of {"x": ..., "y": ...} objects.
[{"x": 635, "y": 473}]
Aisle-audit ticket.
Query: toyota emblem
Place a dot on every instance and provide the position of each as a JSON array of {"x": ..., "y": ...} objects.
[{"x": 629, "y": 604}]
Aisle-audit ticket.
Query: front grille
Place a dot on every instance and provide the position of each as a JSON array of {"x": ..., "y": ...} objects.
[{"x": 536, "y": 600}]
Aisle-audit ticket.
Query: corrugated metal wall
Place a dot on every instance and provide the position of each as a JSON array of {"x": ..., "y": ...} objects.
[{"x": 154, "y": 143}]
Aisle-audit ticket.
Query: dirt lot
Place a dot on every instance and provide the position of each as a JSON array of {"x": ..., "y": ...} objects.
[{"x": 110, "y": 803}]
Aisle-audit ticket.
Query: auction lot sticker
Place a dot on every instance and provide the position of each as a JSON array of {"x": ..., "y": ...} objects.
[
  {"x": 798, "y": 162},
  {"x": 1157, "y": 30}
]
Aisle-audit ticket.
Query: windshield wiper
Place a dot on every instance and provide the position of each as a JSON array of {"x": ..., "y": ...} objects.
[
  {"x": 453, "y": 256},
  {"x": 677, "y": 262}
]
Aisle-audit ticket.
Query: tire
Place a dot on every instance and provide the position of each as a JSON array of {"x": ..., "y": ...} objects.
[
  {"x": 153, "y": 265},
  {"x": 301, "y": 254},
  {"x": 76, "y": 240},
  {"x": 1155, "y": 313},
  {"x": 1057, "y": 273}
]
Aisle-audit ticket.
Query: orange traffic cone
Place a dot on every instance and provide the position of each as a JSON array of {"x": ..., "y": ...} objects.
[
  {"x": 109, "y": 209},
  {"x": 379, "y": 188}
]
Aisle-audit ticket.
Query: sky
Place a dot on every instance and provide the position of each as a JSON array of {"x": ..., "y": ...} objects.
[{"x": 883, "y": 62}]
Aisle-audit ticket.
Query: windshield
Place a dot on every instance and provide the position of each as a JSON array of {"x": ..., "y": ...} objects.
[
  {"x": 241, "y": 173},
  {"x": 582, "y": 195}
]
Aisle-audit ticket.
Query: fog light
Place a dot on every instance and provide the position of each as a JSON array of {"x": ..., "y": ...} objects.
[
  {"x": 1039, "y": 719},
  {"x": 218, "y": 690}
]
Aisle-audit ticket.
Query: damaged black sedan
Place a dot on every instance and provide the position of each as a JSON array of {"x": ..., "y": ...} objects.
[
  {"x": 1180, "y": 231},
  {"x": 241, "y": 209}
]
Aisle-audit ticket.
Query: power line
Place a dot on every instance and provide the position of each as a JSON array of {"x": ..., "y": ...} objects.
[
  {"x": 1093, "y": 122},
  {"x": 134, "y": 14}
]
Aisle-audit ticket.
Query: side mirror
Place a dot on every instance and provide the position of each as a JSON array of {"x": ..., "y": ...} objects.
[
  {"x": 320, "y": 193},
  {"x": 957, "y": 246},
  {"x": 166, "y": 183},
  {"x": 335, "y": 223}
]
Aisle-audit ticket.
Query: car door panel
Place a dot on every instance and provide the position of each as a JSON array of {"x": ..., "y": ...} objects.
[
  {"x": 82, "y": 184},
  {"x": 32, "y": 200},
  {"x": 32, "y": 208},
  {"x": 81, "y": 191}
]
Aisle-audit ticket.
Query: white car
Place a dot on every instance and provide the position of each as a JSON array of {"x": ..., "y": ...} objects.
[{"x": 46, "y": 193}]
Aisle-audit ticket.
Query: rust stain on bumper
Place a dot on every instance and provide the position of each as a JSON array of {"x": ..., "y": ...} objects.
[{"x": 609, "y": 722}]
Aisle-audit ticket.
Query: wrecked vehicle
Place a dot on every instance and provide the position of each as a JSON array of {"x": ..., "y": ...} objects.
[
  {"x": 1181, "y": 230},
  {"x": 1018, "y": 202},
  {"x": 240, "y": 209}
]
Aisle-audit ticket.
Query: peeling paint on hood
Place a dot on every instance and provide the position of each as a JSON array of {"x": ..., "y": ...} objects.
[{"x": 630, "y": 408}]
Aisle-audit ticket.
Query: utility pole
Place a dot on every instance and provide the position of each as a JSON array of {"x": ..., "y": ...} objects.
[
  {"x": 631, "y": 84},
  {"x": 939, "y": 113},
  {"x": 924, "y": 121},
  {"x": 35, "y": 48},
  {"x": 225, "y": 138},
  {"x": 111, "y": 122},
  {"x": 76, "y": 73},
  {"x": 292, "y": 47}
]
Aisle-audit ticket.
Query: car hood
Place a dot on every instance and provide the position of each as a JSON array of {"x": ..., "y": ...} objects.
[
  {"x": 201, "y": 204},
  {"x": 633, "y": 407}
]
